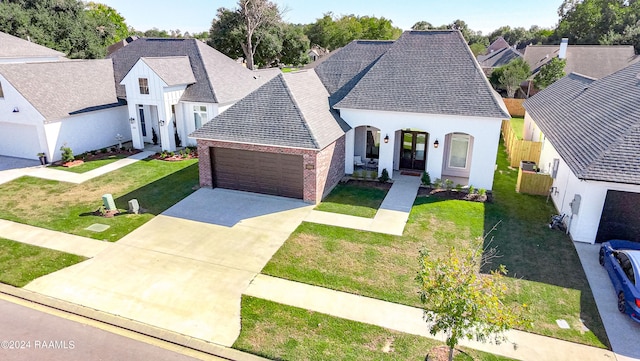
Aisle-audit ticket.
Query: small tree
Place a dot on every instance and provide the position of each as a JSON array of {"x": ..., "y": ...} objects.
[
  {"x": 462, "y": 303},
  {"x": 426, "y": 178},
  {"x": 384, "y": 176},
  {"x": 67, "y": 153},
  {"x": 550, "y": 72},
  {"x": 510, "y": 76}
]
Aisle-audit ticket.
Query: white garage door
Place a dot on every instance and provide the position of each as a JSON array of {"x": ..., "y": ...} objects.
[{"x": 17, "y": 140}]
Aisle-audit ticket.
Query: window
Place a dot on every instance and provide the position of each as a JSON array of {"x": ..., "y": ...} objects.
[
  {"x": 373, "y": 143},
  {"x": 199, "y": 115},
  {"x": 458, "y": 151},
  {"x": 1, "y": 92},
  {"x": 144, "y": 85}
]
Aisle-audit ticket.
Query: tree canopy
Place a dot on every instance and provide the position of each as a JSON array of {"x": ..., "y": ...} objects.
[
  {"x": 332, "y": 33},
  {"x": 510, "y": 76},
  {"x": 550, "y": 72}
]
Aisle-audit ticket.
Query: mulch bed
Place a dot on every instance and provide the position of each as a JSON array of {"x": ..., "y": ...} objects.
[
  {"x": 174, "y": 158},
  {"x": 454, "y": 194},
  {"x": 73, "y": 163},
  {"x": 99, "y": 155}
]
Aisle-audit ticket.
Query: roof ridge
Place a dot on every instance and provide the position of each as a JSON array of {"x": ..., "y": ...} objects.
[
  {"x": 296, "y": 105},
  {"x": 204, "y": 69}
]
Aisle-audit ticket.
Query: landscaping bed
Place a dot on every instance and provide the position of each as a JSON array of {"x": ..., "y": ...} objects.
[
  {"x": 384, "y": 267},
  {"x": 21, "y": 263},
  {"x": 95, "y": 159},
  {"x": 281, "y": 332},
  {"x": 70, "y": 207}
]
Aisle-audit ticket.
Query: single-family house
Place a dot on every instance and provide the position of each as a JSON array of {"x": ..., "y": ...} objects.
[
  {"x": 17, "y": 50},
  {"x": 420, "y": 103},
  {"x": 44, "y": 105},
  {"x": 174, "y": 86},
  {"x": 497, "y": 59},
  {"x": 590, "y": 131}
]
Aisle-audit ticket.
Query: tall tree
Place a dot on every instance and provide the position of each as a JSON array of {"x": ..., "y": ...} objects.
[
  {"x": 110, "y": 20},
  {"x": 550, "y": 73},
  {"x": 510, "y": 76},
  {"x": 256, "y": 14},
  {"x": 332, "y": 33}
]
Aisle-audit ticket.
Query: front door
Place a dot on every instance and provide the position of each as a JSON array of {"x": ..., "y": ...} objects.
[{"x": 414, "y": 146}]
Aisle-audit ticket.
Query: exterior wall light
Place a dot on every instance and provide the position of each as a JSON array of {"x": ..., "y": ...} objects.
[
  {"x": 386, "y": 138},
  {"x": 161, "y": 123},
  {"x": 436, "y": 144},
  {"x": 132, "y": 120},
  {"x": 16, "y": 110}
]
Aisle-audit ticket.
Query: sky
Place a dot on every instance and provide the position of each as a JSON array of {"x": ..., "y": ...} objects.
[{"x": 484, "y": 15}]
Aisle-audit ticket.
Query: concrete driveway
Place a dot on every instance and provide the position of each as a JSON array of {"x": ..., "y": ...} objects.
[
  {"x": 623, "y": 333},
  {"x": 184, "y": 270}
]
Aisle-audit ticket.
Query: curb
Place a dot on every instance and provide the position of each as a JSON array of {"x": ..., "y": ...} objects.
[{"x": 131, "y": 325}]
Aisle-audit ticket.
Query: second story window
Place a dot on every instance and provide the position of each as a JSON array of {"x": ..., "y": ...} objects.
[{"x": 144, "y": 85}]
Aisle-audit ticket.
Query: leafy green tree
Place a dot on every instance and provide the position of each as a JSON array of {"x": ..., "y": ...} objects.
[
  {"x": 112, "y": 22},
  {"x": 461, "y": 302},
  {"x": 422, "y": 25},
  {"x": 331, "y": 33},
  {"x": 510, "y": 76},
  {"x": 550, "y": 72},
  {"x": 256, "y": 15},
  {"x": 225, "y": 34},
  {"x": 295, "y": 45}
]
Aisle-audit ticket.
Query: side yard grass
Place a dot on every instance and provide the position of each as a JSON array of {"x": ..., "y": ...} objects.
[
  {"x": 281, "y": 332},
  {"x": 544, "y": 269},
  {"x": 518, "y": 126},
  {"x": 22, "y": 263},
  {"x": 67, "y": 207},
  {"x": 354, "y": 199}
]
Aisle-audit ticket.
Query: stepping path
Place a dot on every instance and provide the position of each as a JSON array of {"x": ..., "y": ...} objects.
[
  {"x": 520, "y": 345},
  {"x": 59, "y": 241},
  {"x": 70, "y": 177},
  {"x": 391, "y": 217}
]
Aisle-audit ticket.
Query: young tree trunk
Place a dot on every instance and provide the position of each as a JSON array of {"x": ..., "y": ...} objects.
[{"x": 451, "y": 353}]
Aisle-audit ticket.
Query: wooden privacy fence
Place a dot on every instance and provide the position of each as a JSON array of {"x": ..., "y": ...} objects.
[
  {"x": 518, "y": 149},
  {"x": 533, "y": 183}
]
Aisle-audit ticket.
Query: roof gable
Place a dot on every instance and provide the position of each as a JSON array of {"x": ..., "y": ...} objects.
[
  {"x": 62, "y": 88},
  {"x": 498, "y": 58},
  {"x": 594, "y": 124},
  {"x": 289, "y": 111},
  {"x": 12, "y": 47},
  {"x": 432, "y": 72}
]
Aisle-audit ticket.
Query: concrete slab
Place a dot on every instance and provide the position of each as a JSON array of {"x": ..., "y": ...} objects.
[
  {"x": 623, "y": 333},
  {"x": 184, "y": 275},
  {"x": 340, "y": 220},
  {"x": 64, "y": 242},
  {"x": 97, "y": 227}
]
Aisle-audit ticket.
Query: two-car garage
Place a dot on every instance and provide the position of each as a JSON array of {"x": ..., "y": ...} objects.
[
  {"x": 19, "y": 140},
  {"x": 259, "y": 172}
]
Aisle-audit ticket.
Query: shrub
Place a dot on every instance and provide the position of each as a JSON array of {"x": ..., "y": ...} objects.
[
  {"x": 437, "y": 183},
  {"x": 482, "y": 191},
  {"x": 356, "y": 174},
  {"x": 384, "y": 177},
  {"x": 187, "y": 151},
  {"x": 458, "y": 187},
  {"x": 154, "y": 136},
  {"x": 373, "y": 174},
  {"x": 448, "y": 184},
  {"x": 67, "y": 153},
  {"x": 426, "y": 178},
  {"x": 472, "y": 189},
  {"x": 103, "y": 150}
]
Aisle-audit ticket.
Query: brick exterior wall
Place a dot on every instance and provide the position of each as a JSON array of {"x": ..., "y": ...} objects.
[
  {"x": 321, "y": 169},
  {"x": 329, "y": 168}
]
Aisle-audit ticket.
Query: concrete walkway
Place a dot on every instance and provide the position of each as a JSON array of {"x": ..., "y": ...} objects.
[
  {"x": 623, "y": 333},
  {"x": 391, "y": 217},
  {"x": 70, "y": 177},
  {"x": 59, "y": 241},
  {"x": 521, "y": 345}
]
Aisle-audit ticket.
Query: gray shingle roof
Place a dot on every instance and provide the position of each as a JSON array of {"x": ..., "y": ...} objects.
[
  {"x": 12, "y": 47},
  {"x": 596, "y": 61},
  {"x": 497, "y": 45},
  {"x": 219, "y": 79},
  {"x": 432, "y": 72},
  {"x": 173, "y": 70},
  {"x": 498, "y": 58},
  {"x": 58, "y": 89},
  {"x": 594, "y": 125},
  {"x": 291, "y": 110}
]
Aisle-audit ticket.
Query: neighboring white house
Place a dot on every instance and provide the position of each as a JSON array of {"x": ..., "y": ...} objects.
[
  {"x": 418, "y": 103},
  {"x": 174, "y": 86},
  {"x": 590, "y": 131},
  {"x": 44, "y": 105},
  {"x": 16, "y": 50}
]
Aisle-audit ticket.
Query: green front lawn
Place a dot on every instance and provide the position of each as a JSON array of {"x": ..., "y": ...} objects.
[
  {"x": 66, "y": 207},
  {"x": 22, "y": 263},
  {"x": 545, "y": 270},
  {"x": 354, "y": 200},
  {"x": 91, "y": 164},
  {"x": 281, "y": 332}
]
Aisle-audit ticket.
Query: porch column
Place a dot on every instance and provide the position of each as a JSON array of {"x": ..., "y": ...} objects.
[
  {"x": 385, "y": 160},
  {"x": 349, "y": 144},
  {"x": 435, "y": 156},
  {"x": 136, "y": 130},
  {"x": 167, "y": 138}
]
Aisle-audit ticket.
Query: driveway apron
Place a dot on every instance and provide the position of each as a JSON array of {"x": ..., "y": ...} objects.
[{"x": 186, "y": 269}]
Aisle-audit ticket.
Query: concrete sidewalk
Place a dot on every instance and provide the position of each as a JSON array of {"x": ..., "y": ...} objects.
[
  {"x": 59, "y": 241},
  {"x": 391, "y": 217},
  {"x": 70, "y": 177},
  {"x": 521, "y": 345}
]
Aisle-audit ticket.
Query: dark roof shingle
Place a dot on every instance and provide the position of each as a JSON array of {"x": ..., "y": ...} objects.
[
  {"x": 594, "y": 124},
  {"x": 432, "y": 72}
]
